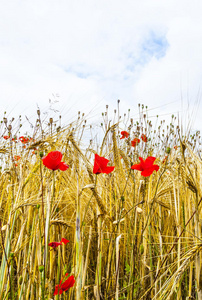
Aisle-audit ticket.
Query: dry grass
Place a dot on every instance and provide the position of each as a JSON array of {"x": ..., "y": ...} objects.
[{"x": 136, "y": 237}]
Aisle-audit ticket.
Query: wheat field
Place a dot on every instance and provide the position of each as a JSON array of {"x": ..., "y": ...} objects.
[{"x": 130, "y": 236}]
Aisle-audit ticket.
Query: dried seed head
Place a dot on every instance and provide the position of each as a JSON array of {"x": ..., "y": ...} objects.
[
  {"x": 51, "y": 120},
  {"x": 139, "y": 210},
  {"x": 38, "y": 112}
]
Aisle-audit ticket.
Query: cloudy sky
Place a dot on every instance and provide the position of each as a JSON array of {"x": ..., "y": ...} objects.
[{"x": 87, "y": 54}]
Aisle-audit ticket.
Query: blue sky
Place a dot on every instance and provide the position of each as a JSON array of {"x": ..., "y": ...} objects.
[{"x": 92, "y": 53}]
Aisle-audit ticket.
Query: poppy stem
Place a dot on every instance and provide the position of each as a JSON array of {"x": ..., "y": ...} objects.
[
  {"x": 43, "y": 216},
  {"x": 87, "y": 206},
  {"x": 151, "y": 207},
  {"x": 53, "y": 198}
]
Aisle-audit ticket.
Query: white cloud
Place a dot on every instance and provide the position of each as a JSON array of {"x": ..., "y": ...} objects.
[{"x": 92, "y": 53}]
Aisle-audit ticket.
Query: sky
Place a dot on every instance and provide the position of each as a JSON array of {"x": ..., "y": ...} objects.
[{"x": 68, "y": 56}]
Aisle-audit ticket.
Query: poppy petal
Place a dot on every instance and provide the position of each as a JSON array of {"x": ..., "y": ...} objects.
[
  {"x": 63, "y": 240},
  {"x": 56, "y": 290},
  {"x": 147, "y": 172},
  {"x": 124, "y": 134},
  {"x": 141, "y": 161},
  {"x": 156, "y": 167},
  {"x": 68, "y": 283},
  {"x": 108, "y": 170},
  {"x": 149, "y": 161},
  {"x": 52, "y": 160},
  {"x": 137, "y": 167},
  {"x": 47, "y": 163},
  {"x": 100, "y": 165},
  {"x": 63, "y": 166},
  {"x": 54, "y": 244}
]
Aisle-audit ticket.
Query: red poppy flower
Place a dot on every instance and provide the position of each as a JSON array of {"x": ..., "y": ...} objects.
[
  {"x": 56, "y": 244},
  {"x": 6, "y": 137},
  {"x": 144, "y": 138},
  {"x": 23, "y": 139},
  {"x": 14, "y": 139},
  {"x": 17, "y": 157},
  {"x": 53, "y": 161},
  {"x": 100, "y": 165},
  {"x": 124, "y": 134},
  {"x": 34, "y": 151},
  {"x": 63, "y": 287},
  {"x": 146, "y": 166},
  {"x": 134, "y": 142}
]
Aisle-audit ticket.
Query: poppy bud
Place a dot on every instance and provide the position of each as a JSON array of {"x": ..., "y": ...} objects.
[
  {"x": 122, "y": 198},
  {"x": 41, "y": 268},
  {"x": 41, "y": 154}
]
